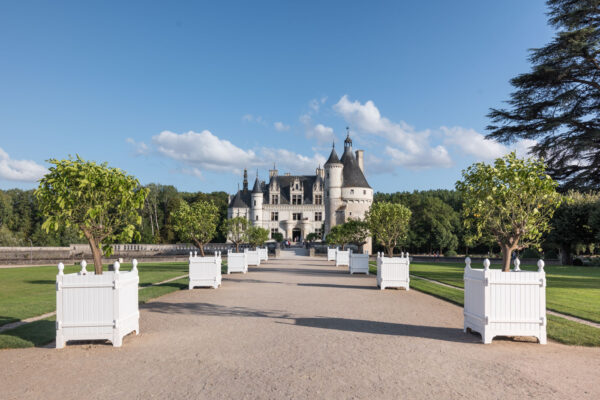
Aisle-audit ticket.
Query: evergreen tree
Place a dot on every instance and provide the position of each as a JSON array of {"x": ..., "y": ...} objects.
[{"x": 557, "y": 104}]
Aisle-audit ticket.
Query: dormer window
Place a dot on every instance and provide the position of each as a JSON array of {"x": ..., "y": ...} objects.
[{"x": 274, "y": 199}]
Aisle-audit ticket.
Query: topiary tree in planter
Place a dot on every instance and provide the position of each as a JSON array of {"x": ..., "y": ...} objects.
[
  {"x": 389, "y": 224},
  {"x": 511, "y": 201},
  {"x": 336, "y": 237},
  {"x": 277, "y": 236},
  {"x": 101, "y": 202},
  {"x": 235, "y": 230},
  {"x": 311, "y": 237},
  {"x": 196, "y": 223},
  {"x": 257, "y": 236},
  {"x": 356, "y": 232}
]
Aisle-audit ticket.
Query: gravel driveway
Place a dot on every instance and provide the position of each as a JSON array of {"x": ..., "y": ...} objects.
[{"x": 300, "y": 328}]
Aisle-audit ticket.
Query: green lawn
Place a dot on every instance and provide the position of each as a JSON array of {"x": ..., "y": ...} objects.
[
  {"x": 29, "y": 292},
  {"x": 571, "y": 290}
]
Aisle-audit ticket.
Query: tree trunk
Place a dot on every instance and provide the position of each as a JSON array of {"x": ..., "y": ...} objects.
[
  {"x": 96, "y": 252},
  {"x": 237, "y": 247},
  {"x": 565, "y": 254},
  {"x": 390, "y": 251},
  {"x": 200, "y": 246},
  {"x": 506, "y": 256}
]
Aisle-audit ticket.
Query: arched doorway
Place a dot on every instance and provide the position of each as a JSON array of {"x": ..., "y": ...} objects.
[{"x": 296, "y": 235}]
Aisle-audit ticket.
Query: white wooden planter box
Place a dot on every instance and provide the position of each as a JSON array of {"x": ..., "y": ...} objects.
[
  {"x": 505, "y": 303},
  {"x": 253, "y": 257},
  {"x": 342, "y": 257},
  {"x": 359, "y": 263},
  {"x": 263, "y": 253},
  {"x": 331, "y": 254},
  {"x": 205, "y": 271},
  {"x": 237, "y": 262},
  {"x": 96, "y": 307},
  {"x": 393, "y": 272}
]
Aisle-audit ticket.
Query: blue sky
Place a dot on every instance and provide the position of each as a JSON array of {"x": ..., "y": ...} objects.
[{"x": 190, "y": 93}]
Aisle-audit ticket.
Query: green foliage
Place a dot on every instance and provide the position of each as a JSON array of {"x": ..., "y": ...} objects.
[
  {"x": 235, "y": 230},
  {"x": 389, "y": 224},
  {"x": 196, "y": 223},
  {"x": 101, "y": 202},
  {"x": 278, "y": 237},
  {"x": 311, "y": 237},
  {"x": 511, "y": 201},
  {"x": 257, "y": 236},
  {"x": 557, "y": 103},
  {"x": 352, "y": 232},
  {"x": 572, "y": 224},
  {"x": 336, "y": 237}
]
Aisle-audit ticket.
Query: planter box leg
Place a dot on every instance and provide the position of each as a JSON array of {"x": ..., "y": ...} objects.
[
  {"x": 60, "y": 342},
  {"x": 486, "y": 337},
  {"x": 117, "y": 339},
  {"x": 542, "y": 338}
]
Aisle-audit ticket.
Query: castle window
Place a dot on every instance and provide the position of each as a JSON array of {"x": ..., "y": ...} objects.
[
  {"x": 274, "y": 231},
  {"x": 364, "y": 192},
  {"x": 328, "y": 174},
  {"x": 318, "y": 199},
  {"x": 257, "y": 217},
  {"x": 274, "y": 216},
  {"x": 319, "y": 232},
  {"x": 255, "y": 202},
  {"x": 351, "y": 191},
  {"x": 297, "y": 216},
  {"x": 274, "y": 199},
  {"x": 296, "y": 199},
  {"x": 318, "y": 216}
]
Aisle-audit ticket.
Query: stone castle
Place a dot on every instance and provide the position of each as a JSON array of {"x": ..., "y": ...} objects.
[{"x": 297, "y": 205}]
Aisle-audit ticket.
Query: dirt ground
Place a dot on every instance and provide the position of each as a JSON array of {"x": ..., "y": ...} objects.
[{"x": 300, "y": 328}]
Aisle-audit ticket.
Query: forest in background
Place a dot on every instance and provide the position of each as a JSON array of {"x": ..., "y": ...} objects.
[{"x": 436, "y": 223}]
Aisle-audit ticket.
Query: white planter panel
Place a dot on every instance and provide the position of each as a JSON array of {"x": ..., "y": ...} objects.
[
  {"x": 331, "y": 254},
  {"x": 237, "y": 262},
  {"x": 205, "y": 271},
  {"x": 263, "y": 253},
  {"x": 393, "y": 272},
  {"x": 359, "y": 263},
  {"x": 505, "y": 303},
  {"x": 342, "y": 257},
  {"x": 253, "y": 257},
  {"x": 96, "y": 307}
]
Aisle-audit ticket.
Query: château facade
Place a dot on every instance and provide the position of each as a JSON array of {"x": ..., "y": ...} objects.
[{"x": 297, "y": 205}]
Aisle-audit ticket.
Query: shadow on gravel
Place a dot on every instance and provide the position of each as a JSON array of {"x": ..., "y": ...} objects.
[
  {"x": 340, "y": 324},
  {"x": 388, "y": 328},
  {"x": 305, "y": 271},
  {"x": 332, "y": 285}
]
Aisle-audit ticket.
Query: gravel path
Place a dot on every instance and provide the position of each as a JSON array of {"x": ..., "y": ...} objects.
[{"x": 300, "y": 328}]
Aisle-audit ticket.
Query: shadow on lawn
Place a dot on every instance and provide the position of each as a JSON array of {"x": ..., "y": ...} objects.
[
  {"x": 340, "y": 324},
  {"x": 38, "y": 333}
]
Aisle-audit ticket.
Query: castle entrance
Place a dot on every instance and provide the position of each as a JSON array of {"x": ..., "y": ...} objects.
[{"x": 296, "y": 235}]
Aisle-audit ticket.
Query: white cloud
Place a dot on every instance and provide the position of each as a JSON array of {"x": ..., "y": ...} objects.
[
  {"x": 139, "y": 148},
  {"x": 315, "y": 104},
  {"x": 281, "y": 127},
  {"x": 409, "y": 148},
  {"x": 254, "y": 118},
  {"x": 20, "y": 170},
  {"x": 321, "y": 133},
  {"x": 475, "y": 144},
  {"x": 205, "y": 151}
]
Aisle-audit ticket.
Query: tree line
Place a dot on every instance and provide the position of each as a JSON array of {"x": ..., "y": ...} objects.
[{"x": 436, "y": 223}]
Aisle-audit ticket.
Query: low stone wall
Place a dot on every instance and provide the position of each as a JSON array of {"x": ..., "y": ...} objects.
[{"x": 77, "y": 252}]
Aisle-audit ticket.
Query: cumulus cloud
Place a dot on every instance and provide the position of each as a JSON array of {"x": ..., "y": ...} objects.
[
  {"x": 281, "y": 127},
  {"x": 315, "y": 104},
  {"x": 139, "y": 148},
  {"x": 475, "y": 144},
  {"x": 20, "y": 170},
  {"x": 407, "y": 147},
  {"x": 205, "y": 151},
  {"x": 254, "y": 118},
  {"x": 321, "y": 133}
]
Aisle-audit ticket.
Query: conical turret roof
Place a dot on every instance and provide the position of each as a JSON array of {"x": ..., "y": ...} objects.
[
  {"x": 256, "y": 188},
  {"x": 333, "y": 158}
]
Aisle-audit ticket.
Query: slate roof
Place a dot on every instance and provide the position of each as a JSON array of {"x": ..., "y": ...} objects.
[
  {"x": 241, "y": 200},
  {"x": 352, "y": 175},
  {"x": 333, "y": 158}
]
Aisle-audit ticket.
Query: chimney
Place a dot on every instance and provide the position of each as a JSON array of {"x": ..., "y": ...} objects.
[
  {"x": 245, "y": 180},
  {"x": 360, "y": 159},
  {"x": 273, "y": 172}
]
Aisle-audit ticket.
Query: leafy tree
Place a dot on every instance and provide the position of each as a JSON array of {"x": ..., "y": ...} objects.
[
  {"x": 100, "y": 201},
  {"x": 571, "y": 224},
  {"x": 336, "y": 237},
  {"x": 311, "y": 237},
  {"x": 257, "y": 236},
  {"x": 557, "y": 104},
  {"x": 196, "y": 223},
  {"x": 235, "y": 230},
  {"x": 355, "y": 232},
  {"x": 389, "y": 224},
  {"x": 511, "y": 201},
  {"x": 277, "y": 236}
]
